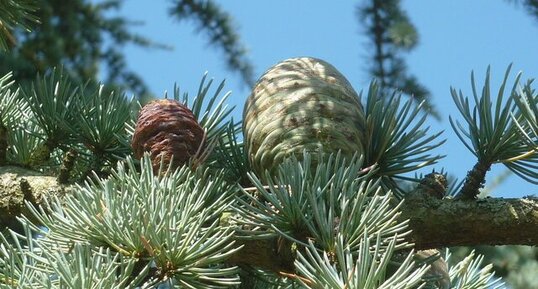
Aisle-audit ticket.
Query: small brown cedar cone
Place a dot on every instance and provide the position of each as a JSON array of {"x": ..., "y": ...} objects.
[{"x": 166, "y": 128}]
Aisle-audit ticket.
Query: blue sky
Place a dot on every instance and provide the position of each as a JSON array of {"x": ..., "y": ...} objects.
[{"x": 456, "y": 37}]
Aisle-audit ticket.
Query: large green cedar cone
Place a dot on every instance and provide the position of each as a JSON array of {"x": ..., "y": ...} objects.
[{"x": 301, "y": 104}]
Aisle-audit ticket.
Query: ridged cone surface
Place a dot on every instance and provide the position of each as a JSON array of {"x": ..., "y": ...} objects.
[
  {"x": 166, "y": 128},
  {"x": 301, "y": 104}
]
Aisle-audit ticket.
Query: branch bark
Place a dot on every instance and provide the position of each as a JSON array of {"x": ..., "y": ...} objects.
[
  {"x": 18, "y": 185},
  {"x": 491, "y": 221},
  {"x": 435, "y": 223}
]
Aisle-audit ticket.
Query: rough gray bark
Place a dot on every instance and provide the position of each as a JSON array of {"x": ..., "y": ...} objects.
[
  {"x": 435, "y": 223},
  {"x": 18, "y": 185},
  {"x": 491, "y": 221}
]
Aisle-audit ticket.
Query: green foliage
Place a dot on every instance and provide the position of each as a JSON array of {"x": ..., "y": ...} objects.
[
  {"x": 527, "y": 101},
  {"x": 492, "y": 133},
  {"x": 302, "y": 203},
  {"x": 525, "y": 277},
  {"x": 23, "y": 142},
  {"x": 169, "y": 221},
  {"x": 52, "y": 98},
  {"x": 512, "y": 263},
  {"x": 390, "y": 32},
  {"x": 469, "y": 274},
  {"x": 396, "y": 141},
  {"x": 27, "y": 262},
  {"x": 366, "y": 269},
  {"x": 488, "y": 121},
  {"x": 211, "y": 113},
  {"x": 16, "y": 117},
  {"x": 336, "y": 218},
  {"x": 403, "y": 34},
  {"x": 95, "y": 118},
  {"x": 530, "y": 6},
  {"x": 131, "y": 227},
  {"x": 72, "y": 34},
  {"x": 230, "y": 155},
  {"x": 15, "y": 14},
  {"x": 87, "y": 38},
  {"x": 98, "y": 118},
  {"x": 502, "y": 131},
  {"x": 88, "y": 119},
  {"x": 11, "y": 107},
  {"x": 220, "y": 30},
  {"x": 329, "y": 209}
]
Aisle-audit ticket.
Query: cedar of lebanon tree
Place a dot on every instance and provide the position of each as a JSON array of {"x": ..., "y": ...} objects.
[{"x": 299, "y": 204}]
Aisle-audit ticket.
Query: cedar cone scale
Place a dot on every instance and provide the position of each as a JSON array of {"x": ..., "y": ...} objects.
[{"x": 167, "y": 129}]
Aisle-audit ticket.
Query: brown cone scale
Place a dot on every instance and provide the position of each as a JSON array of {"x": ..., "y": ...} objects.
[{"x": 167, "y": 129}]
